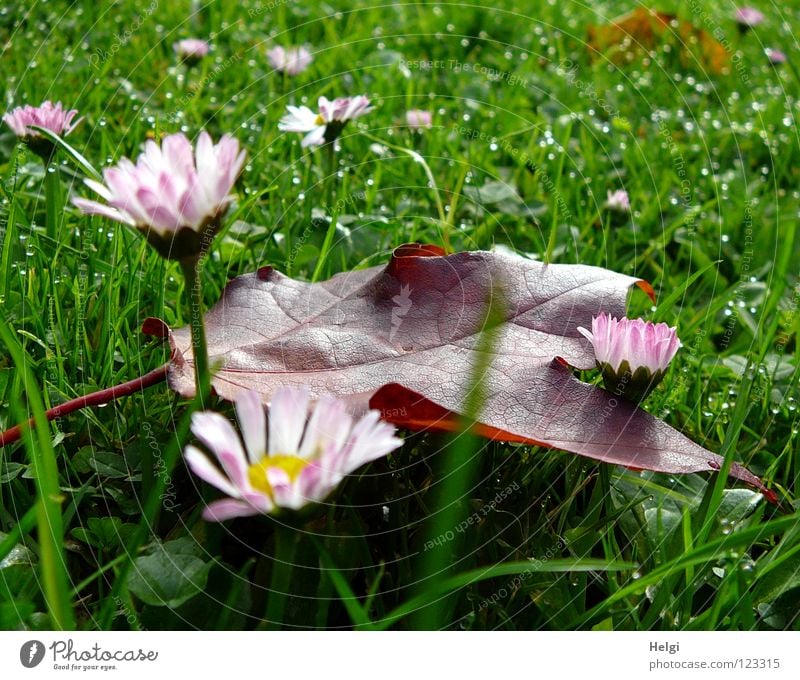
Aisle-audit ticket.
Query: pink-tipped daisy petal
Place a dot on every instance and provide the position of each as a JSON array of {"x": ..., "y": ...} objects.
[
  {"x": 171, "y": 187},
  {"x": 228, "y": 508},
  {"x": 216, "y": 432},
  {"x": 199, "y": 463}
]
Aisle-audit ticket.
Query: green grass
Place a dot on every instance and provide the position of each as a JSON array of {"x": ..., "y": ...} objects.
[{"x": 710, "y": 163}]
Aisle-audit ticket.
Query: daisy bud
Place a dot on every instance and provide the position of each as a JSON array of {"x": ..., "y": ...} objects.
[
  {"x": 618, "y": 201},
  {"x": 49, "y": 116},
  {"x": 308, "y": 453},
  {"x": 191, "y": 50},
  {"x": 174, "y": 195},
  {"x": 417, "y": 119},
  {"x": 747, "y": 18},
  {"x": 289, "y": 60},
  {"x": 776, "y": 57},
  {"x": 633, "y": 355},
  {"x": 324, "y": 127}
]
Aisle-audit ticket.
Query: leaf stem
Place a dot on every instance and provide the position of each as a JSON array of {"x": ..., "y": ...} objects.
[{"x": 92, "y": 399}]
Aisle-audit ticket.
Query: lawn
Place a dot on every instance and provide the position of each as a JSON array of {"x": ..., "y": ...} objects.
[{"x": 101, "y": 523}]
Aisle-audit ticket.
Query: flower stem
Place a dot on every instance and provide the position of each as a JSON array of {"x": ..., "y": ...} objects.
[
  {"x": 194, "y": 295},
  {"x": 283, "y": 561},
  {"x": 52, "y": 191},
  {"x": 330, "y": 163},
  {"x": 332, "y": 211}
]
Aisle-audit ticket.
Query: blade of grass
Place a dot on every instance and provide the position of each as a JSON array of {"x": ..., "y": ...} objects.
[
  {"x": 22, "y": 527},
  {"x": 457, "y": 471},
  {"x": 356, "y": 612},
  {"x": 70, "y": 151},
  {"x": 454, "y": 583},
  {"x": 666, "y": 307},
  {"x": 52, "y": 189},
  {"x": 150, "y": 513},
  {"x": 326, "y": 246},
  {"x": 40, "y": 451},
  {"x": 702, "y": 554},
  {"x": 551, "y": 241},
  {"x": 712, "y": 499}
]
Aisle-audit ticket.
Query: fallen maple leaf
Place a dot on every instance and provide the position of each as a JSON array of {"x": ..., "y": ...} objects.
[
  {"x": 644, "y": 29},
  {"x": 403, "y": 338}
]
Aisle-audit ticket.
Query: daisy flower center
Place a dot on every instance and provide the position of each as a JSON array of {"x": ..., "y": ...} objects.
[
  {"x": 257, "y": 473},
  {"x": 319, "y": 120}
]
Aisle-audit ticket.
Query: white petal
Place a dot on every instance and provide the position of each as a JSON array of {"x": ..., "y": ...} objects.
[
  {"x": 329, "y": 423},
  {"x": 98, "y": 188},
  {"x": 314, "y": 138},
  {"x": 298, "y": 119},
  {"x": 370, "y": 439},
  {"x": 253, "y": 424},
  {"x": 95, "y": 208},
  {"x": 287, "y": 418},
  {"x": 206, "y": 159}
]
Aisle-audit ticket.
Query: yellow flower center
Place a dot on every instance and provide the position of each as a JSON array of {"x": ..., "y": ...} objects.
[
  {"x": 319, "y": 120},
  {"x": 257, "y": 473}
]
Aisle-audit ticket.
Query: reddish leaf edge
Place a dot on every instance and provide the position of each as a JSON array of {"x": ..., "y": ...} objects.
[
  {"x": 643, "y": 285},
  {"x": 412, "y": 411}
]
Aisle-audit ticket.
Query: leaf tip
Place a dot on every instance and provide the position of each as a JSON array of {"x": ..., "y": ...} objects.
[
  {"x": 647, "y": 288},
  {"x": 418, "y": 250},
  {"x": 155, "y": 327},
  {"x": 405, "y": 256}
]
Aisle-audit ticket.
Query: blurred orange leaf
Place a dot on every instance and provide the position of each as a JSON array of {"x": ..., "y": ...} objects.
[{"x": 644, "y": 29}]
